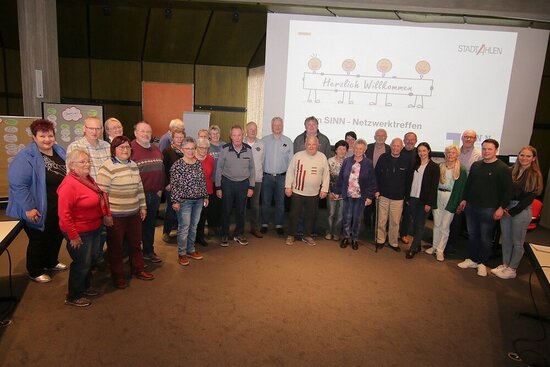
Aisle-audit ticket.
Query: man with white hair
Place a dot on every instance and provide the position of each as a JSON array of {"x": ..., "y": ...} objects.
[
  {"x": 166, "y": 139},
  {"x": 149, "y": 160},
  {"x": 307, "y": 180}
]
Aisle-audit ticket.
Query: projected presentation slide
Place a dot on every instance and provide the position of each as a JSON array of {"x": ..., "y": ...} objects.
[{"x": 427, "y": 80}]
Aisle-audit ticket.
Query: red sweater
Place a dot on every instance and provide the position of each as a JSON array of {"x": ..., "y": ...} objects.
[
  {"x": 208, "y": 168},
  {"x": 151, "y": 166},
  {"x": 79, "y": 208}
]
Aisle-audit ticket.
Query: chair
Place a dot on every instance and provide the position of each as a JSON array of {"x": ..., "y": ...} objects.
[{"x": 536, "y": 209}]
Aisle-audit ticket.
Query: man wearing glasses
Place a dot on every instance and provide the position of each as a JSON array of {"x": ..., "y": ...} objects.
[
  {"x": 99, "y": 151},
  {"x": 149, "y": 160}
]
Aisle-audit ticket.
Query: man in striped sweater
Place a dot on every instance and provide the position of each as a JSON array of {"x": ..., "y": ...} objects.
[{"x": 307, "y": 180}]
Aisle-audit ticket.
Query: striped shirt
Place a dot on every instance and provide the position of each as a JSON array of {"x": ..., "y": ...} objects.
[
  {"x": 98, "y": 154},
  {"x": 122, "y": 182}
]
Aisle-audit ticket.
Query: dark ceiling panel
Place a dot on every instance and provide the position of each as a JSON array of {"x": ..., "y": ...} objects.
[
  {"x": 175, "y": 35},
  {"x": 232, "y": 43},
  {"x": 117, "y": 33},
  {"x": 72, "y": 31},
  {"x": 9, "y": 31},
  {"x": 259, "y": 56}
]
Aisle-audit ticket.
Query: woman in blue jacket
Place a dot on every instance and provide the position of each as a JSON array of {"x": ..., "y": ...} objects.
[
  {"x": 34, "y": 175},
  {"x": 356, "y": 185}
]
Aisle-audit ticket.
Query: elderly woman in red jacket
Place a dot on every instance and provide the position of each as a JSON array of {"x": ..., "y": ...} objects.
[{"x": 81, "y": 208}]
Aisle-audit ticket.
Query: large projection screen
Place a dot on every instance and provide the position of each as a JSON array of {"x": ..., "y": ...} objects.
[{"x": 434, "y": 80}]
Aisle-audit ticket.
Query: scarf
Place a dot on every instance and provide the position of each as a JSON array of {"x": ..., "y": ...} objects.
[{"x": 89, "y": 182}]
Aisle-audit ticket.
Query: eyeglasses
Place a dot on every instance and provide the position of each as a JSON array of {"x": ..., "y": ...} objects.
[
  {"x": 124, "y": 147},
  {"x": 189, "y": 148},
  {"x": 115, "y": 128},
  {"x": 469, "y": 137},
  {"x": 93, "y": 128},
  {"x": 84, "y": 161},
  {"x": 145, "y": 131}
]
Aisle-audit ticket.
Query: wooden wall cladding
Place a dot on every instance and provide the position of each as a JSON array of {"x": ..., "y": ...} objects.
[
  {"x": 74, "y": 77},
  {"x": 4, "y": 107},
  {"x": 2, "y": 73},
  {"x": 232, "y": 43},
  {"x": 72, "y": 31},
  {"x": 225, "y": 120},
  {"x": 168, "y": 73},
  {"x": 16, "y": 106},
  {"x": 116, "y": 80},
  {"x": 117, "y": 34},
  {"x": 13, "y": 66},
  {"x": 175, "y": 39},
  {"x": 8, "y": 24},
  {"x": 220, "y": 86},
  {"x": 128, "y": 116}
]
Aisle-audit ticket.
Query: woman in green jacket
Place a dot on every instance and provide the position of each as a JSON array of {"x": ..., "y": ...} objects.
[{"x": 452, "y": 180}]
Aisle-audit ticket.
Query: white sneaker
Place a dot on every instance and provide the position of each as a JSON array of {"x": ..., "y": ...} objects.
[
  {"x": 44, "y": 278},
  {"x": 482, "y": 270},
  {"x": 498, "y": 269},
  {"x": 430, "y": 251},
  {"x": 439, "y": 256},
  {"x": 507, "y": 273},
  {"x": 336, "y": 237},
  {"x": 58, "y": 267},
  {"x": 467, "y": 264},
  {"x": 328, "y": 236}
]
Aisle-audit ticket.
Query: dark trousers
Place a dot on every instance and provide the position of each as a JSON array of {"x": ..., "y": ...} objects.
[
  {"x": 353, "y": 208},
  {"x": 419, "y": 216},
  {"x": 80, "y": 275},
  {"x": 303, "y": 207},
  {"x": 129, "y": 229},
  {"x": 170, "y": 218},
  {"x": 148, "y": 227},
  {"x": 406, "y": 220},
  {"x": 43, "y": 247},
  {"x": 202, "y": 222},
  {"x": 480, "y": 232},
  {"x": 234, "y": 196},
  {"x": 214, "y": 216}
]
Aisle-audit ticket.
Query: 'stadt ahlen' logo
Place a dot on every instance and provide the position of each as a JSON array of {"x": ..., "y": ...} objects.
[{"x": 480, "y": 50}]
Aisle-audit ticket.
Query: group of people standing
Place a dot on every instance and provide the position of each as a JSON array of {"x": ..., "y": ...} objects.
[{"x": 109, "y": 191}]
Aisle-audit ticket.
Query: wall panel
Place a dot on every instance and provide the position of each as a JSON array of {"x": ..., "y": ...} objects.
[
  {"x": 74, "y": 77},
  {"x": 16, "y": 106},
  {"x": 220, "y": 86},
  {"x": 128, "y": 116},
  {"x": 13, "y": 64},
  {"x": 225, "y": 120},
  {"x": 167, "y": 73},
  {"x": 116, "y": 80}
]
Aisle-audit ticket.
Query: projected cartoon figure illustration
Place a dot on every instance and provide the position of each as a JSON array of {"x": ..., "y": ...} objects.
[
  {"x": 314, "y": 64},
  {"x": 348, "y": 66},
  {"x": 422, "y": 68},
  {"x": 384, "y": 66}
]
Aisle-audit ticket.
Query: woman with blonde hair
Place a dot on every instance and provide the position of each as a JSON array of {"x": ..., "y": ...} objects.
[
  {"x": 527, "y": 183},
  {"x": 452, "y": 180}
]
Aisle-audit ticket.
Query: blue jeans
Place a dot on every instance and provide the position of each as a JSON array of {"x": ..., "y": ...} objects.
[
  {"x": 513, "y": 231},
  {"x": 148, "y": 226},
  {"x": 273, "y": 187},
  {"x": 480, "y": 230},
  {"x": 98, "y": 255},
  {"x": 169, "y": 215},
  {"x": 79, "y": 275},
  {"x": 234, "y": 195},
  {"x": 335, "y": 214},
  {"x": 188, "y": 218},
  {"x": 353, "y": 209},
  {"x": 419, "y": 216}
]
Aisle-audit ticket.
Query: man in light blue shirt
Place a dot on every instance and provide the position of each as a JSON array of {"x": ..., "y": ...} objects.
[{"x": 278, "y": 153}]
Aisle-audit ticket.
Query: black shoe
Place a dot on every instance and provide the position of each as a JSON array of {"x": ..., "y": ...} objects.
[
  {"x": 396, "y": 248},
  {"x": 344, "y": 243},
  {"x": 263, "y": 230},
  {"x": 410, "y": 254},
  {"x": 354, "y": 245},
  {"x": 280, "y": 231}
]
